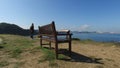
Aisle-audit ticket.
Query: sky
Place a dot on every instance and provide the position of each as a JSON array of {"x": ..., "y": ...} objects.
[{"x": 76, "y": 15}]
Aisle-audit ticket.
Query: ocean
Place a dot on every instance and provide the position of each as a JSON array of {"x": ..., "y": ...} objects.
[{"x": 98, "y": 37}]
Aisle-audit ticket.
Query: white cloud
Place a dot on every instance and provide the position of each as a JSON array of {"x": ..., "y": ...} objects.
[{"x": 84, "y": 27}]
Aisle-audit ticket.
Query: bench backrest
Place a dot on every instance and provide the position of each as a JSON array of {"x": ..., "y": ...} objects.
[{"x": 48, "y": 29}]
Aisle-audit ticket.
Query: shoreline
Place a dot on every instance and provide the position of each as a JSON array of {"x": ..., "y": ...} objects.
[{"x": 98, "y": 37}]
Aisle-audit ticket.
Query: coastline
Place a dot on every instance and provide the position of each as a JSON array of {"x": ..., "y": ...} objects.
[{"x": 98, "y": 37}]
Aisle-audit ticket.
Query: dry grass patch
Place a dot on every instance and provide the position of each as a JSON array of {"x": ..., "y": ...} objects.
[{"x": 4, "y": 63}]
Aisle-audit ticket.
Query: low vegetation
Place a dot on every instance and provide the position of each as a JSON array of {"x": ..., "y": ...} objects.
[
  {"x": 49, "y": 55},
  {"x": 12, "y": 46},
  {"x": 3, "y": 63},
  {"x": 21, "y": 52}
]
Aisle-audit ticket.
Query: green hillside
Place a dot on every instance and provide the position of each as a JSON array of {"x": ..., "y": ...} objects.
[{"x": 6, "y": 28}]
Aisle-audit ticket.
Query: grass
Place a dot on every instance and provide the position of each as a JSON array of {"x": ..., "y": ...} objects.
[
  {"x": 16, "y": 53},
  {"x": 116, "y": 65},
  {"x": 15, "y": 48},
  {"x": 18, "y": 64},
  {"x": 99, "y": 66},
  {"x": 49, "y": 55},
  {"x": 14, "y": 44},
  {"x": 109, "y": 59},
  {"x": 35, "y": 49},
  {"x": 4, "y": 63}
]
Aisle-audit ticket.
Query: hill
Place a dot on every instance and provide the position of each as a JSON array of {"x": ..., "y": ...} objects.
[{"x": 6, "y": 28}]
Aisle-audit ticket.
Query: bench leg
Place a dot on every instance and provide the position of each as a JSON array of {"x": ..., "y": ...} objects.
[
  {"x": 70, "y": 48},
  {"x": 56, "y": 50},
  {"x": 41, "y": 42},
  {"x": 50, "y": 44}
]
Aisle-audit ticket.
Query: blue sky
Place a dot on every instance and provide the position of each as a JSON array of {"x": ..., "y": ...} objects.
[{"x": 81, "y": 15}]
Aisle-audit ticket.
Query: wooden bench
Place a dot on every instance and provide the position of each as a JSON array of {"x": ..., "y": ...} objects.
[{"x": 48, "y": 32}]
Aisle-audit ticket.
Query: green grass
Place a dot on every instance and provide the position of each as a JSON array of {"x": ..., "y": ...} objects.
[
  {"x": 35, "y": 49},
  {"x": 49, "y": 55},
  {"x": 16, "y": 53},
  {"x": 14, "y": 45}
]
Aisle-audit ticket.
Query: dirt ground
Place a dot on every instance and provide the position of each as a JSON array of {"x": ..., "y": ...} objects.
[
  {"x": 89, "y": 55},
  {"x": 84, "y": 55}
]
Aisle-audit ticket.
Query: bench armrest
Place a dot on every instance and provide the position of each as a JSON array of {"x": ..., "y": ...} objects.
[{"x": 64, "y": 32}]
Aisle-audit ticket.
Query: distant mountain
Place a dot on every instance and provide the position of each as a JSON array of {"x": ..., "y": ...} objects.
[{"x": 6, "y": 28}]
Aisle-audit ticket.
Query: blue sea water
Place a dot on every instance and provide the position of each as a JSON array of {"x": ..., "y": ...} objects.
[{"x": 98, "y": 37}]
